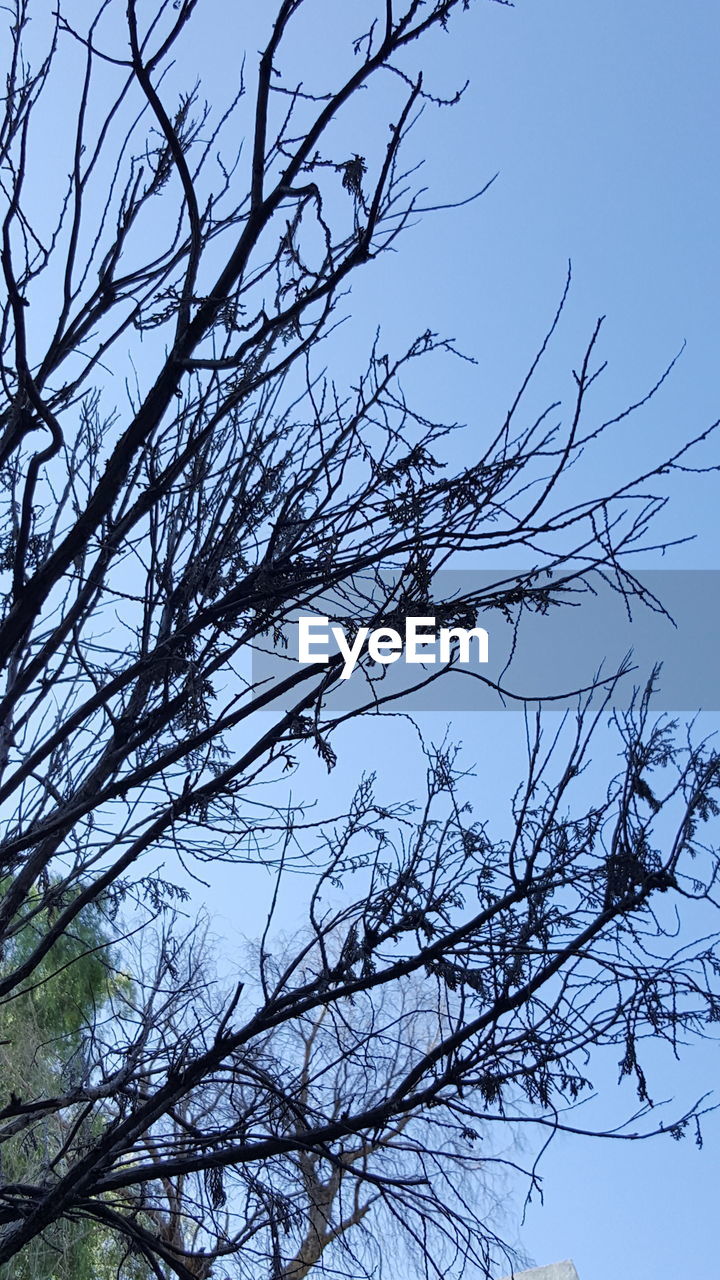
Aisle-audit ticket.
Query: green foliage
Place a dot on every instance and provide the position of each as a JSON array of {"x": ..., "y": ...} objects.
[
  {"x": 73, "y": 980},
  {"x": 44, "y": 1030}
]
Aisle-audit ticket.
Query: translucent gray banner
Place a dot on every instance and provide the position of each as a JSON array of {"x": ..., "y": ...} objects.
[{"x": 532, "y": 655}]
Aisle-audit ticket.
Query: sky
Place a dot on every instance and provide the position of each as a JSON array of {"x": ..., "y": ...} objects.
[{"x": 600, "y": 120}]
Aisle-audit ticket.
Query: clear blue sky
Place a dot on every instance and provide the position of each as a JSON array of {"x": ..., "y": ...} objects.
[{"x": 603, "y": 121}]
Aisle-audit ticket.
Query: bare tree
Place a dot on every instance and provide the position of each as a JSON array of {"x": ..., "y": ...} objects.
[
  {"x": 180, "y": 474},
  {"x": 310, "y": 1206}
]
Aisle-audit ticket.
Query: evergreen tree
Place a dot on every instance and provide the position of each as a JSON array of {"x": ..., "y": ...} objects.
[{"x": 45, "y": 1033}]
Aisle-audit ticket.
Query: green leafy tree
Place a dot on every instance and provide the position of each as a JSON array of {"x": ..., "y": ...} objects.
[{"x": 45, "y": 1048}]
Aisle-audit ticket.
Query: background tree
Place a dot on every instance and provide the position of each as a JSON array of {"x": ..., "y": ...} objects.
[
  {"x": 180, "y": 475},
  {"x": 45, "y": 1046}
]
